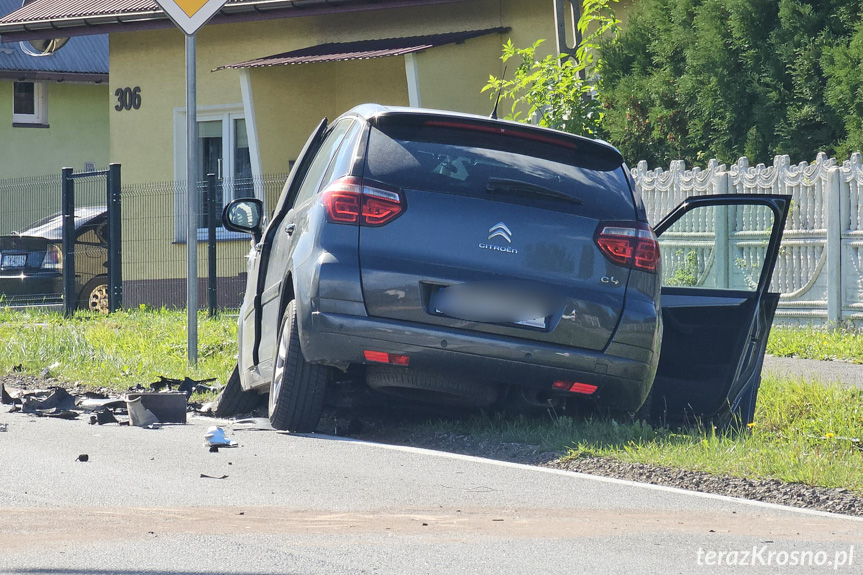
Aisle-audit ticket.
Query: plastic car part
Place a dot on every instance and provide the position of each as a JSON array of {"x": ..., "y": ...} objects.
[{"x": 298, "y": 388}]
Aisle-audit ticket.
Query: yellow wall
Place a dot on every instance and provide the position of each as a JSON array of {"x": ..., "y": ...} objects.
[
  {"x": 78, "y": 132},
  {"x": 290, "y": 100}
]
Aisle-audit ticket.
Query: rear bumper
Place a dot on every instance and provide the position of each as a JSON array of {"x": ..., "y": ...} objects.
[
  {"x": 339, "y": 339},
  {"x": 32, "y": 289}
]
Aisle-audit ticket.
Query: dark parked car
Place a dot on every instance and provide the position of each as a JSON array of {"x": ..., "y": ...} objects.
[
  {"x": 470, "y": 261},
  {"x": 31, "y": 262}
]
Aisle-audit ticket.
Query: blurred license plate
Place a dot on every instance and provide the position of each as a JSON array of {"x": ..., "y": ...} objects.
[{"x": 13, "y": 261}]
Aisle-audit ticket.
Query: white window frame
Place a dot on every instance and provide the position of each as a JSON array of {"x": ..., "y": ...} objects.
[
  {"x": 227, "y": 113},
  {"x": 40, "y": 105}
]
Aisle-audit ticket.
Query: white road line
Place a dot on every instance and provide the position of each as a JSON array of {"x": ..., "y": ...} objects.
[{"x": 598, "y": 478}]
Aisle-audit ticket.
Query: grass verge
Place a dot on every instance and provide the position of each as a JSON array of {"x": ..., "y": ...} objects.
[
  {"x": 803, "y": 433},
  {"x": 816, "y": 343},
  {"x": 116, "y": 351}
]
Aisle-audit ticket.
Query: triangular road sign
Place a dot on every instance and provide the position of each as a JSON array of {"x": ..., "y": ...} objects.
[{"x": 189, "y": 15}]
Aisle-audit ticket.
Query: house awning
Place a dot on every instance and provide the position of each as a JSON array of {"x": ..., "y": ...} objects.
[
  {"x": 42, "y": 19},
  {"x": 363, "y": 49}
]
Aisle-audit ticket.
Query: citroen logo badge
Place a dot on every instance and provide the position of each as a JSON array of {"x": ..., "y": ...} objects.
[{"x": 500, "y": 230}]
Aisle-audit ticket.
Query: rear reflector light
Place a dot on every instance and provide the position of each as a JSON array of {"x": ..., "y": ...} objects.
[
  {"x": 629, "y": 245},
  {"x": 574, "y": 387},
  {"x": 349, "y": 201},
  {"x": 384, "y": 357}
]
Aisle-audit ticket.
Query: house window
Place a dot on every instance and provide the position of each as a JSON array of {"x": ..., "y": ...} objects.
[
  {"x": 223, "y": 150},
  {"x": 30, "y": 103}
]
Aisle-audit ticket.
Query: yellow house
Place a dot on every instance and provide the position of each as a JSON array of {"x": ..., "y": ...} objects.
[{"x": 268, "y": 72}]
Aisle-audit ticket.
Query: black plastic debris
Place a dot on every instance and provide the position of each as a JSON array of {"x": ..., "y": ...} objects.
[
  {"x": 167, "y": 407},
  {"x": 83, "y": 458},
  {"x": 5, "y": 398},
  {"x": 186, "y": 385},
  {"x": 205, "y": 476},
  {"x": 102, "y": 417},
  {"x": 54, "y": 398}
]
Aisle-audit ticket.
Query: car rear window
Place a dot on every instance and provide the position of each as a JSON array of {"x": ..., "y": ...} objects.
[{"x": 516, "y": 165}]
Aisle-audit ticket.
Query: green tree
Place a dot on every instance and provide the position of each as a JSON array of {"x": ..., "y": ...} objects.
[
  {"x": 558, "y": 91},
  {"x": 695, "y": 79}
]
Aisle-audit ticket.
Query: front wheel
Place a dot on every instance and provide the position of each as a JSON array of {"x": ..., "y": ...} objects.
[{"x": 298, "y": 387}]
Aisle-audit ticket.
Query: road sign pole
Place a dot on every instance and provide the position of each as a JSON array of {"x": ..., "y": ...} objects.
[
  {"x": 189, "y": 16},
  {"x": 192, "y": 199}
]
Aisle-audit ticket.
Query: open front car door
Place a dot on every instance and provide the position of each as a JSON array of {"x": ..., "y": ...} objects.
[{"x": 718, "y": 254}]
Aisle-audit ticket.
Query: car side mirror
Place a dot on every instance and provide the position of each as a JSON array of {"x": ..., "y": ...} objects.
[{"x": 244, "y": 215}]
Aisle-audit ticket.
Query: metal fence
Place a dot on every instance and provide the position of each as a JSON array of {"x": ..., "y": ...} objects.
[
  {"x": 155, "y": 217},
  {"x": 152, "y": 242},
  {"x": 820, "y": 268}
]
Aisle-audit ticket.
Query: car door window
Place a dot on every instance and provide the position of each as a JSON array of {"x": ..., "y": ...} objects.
[
  {"x": 341, "y": 164},
  {"x": 717, "y": 247},
  {"x": 315, "y": 173}
]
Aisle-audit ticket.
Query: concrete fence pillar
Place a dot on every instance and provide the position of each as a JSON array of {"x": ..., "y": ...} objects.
[{"x": 834, "y": 246}]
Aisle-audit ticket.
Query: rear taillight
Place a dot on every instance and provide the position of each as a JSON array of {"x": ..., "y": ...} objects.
[
  {"x": 575, "y": 387},
  {"x": 384, "y": 357},
  {"x": 349, "y": 201},
  {"x": 631, "y": 245},
  {"x": 53, "y": 259}
]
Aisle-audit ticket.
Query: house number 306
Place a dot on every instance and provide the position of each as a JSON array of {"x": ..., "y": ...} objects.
[{"x": 128, "y": 98}]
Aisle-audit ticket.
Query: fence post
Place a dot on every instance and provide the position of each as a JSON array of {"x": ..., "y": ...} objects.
[
  {"x": 834, "y": 247},
  {"x": 70, "y": 294},
  {"x": 115, "y": 240},
  {"x": 720, "y": 255},
  {"x": 211, "y": 243}
]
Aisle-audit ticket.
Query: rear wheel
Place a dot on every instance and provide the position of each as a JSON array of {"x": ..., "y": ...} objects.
[
  {"x": 94, "y": 296},
  {"x": 298, "y": 388}
]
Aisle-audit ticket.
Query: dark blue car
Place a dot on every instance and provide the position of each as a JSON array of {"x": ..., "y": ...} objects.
[{"x": 464, "y": 260}]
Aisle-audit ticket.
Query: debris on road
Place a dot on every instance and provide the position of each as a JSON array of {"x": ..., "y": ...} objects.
[
  {"x": 216, "y": 439},
  {"x": 167, "y": 407},
  {"x": 139, "y": 415},
  {"x": 253, "y": 424},
  {"x": 3, "y": 427},
  {"x": 83, "y": 458},
  {"x": 205, "y": 476}
]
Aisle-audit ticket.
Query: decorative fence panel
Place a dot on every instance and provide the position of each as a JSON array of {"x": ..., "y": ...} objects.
[{"x": 820, "y": 268}]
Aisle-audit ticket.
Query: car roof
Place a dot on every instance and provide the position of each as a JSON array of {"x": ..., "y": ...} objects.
[
  {"x": 51, "y": 227},
  {"x": 371, "y": 111}
]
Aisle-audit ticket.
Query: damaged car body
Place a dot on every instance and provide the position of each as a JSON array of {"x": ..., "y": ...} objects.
[{"x": 463, "y": 260}]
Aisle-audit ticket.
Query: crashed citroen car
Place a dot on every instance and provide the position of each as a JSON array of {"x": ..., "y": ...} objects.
[{"x": 465, "y": 260}]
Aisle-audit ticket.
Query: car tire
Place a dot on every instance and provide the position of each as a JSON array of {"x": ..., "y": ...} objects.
[
  {"x": 94, "y": 296},
  {"x": 233, "y": 400},
  {"x": 298, "y": 388},
  {"x": 427, "y": 386}
]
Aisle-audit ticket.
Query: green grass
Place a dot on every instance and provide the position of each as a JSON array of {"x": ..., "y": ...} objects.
[
  {"x": 116, "y": 351},
  {"x": 816, "y": 343},
  {"x": 803, "y": 433}
]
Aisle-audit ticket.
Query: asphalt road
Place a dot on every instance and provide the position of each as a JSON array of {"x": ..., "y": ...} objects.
[
  {"x": 844, "y": 373},
  {"x": 315, "y": 504}
]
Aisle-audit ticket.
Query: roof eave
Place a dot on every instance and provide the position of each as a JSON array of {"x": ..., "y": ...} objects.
[
  {"x": 34, "y": 75},
  {"x": 152, "y": 20}
]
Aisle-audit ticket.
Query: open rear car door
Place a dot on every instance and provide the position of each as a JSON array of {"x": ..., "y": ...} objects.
[{"x": 718, "y": 254}]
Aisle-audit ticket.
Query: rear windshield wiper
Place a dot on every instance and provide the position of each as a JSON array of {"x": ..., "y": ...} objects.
[{"x": 517, "y": 187}]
